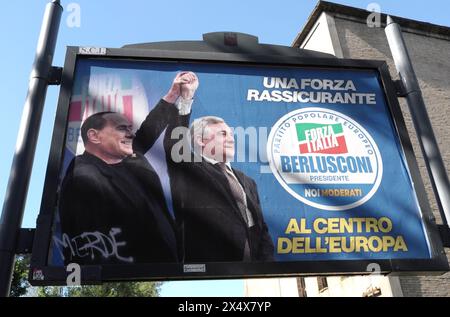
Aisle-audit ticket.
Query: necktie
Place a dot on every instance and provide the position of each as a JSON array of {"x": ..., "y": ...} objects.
[
  {"x": 237, "y": 190},
  {"x": 241, "y": 200}
]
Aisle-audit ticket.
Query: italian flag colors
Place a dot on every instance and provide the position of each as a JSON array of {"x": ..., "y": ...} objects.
[
  {"x": 102, "y": 92},
  {"x": 321, "y": 138}
]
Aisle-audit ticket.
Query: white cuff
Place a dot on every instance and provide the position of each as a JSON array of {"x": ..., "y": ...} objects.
[{"x": 184, "y": 105}]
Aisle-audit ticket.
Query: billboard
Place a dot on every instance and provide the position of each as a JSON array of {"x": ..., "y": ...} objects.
[{"x": 173, "y": 168}]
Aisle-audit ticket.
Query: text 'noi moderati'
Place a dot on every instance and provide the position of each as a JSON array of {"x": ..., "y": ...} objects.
[{"x": 307, "y": 90}]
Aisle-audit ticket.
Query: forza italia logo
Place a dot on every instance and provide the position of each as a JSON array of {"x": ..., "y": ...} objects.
[
  {"x": 324, "y": 159},
  {"x": 321, "y": 138}
]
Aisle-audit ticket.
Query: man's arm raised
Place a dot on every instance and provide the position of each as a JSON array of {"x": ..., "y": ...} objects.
[
  {"x": 177, "y": 131},
  {"x": 160, "y": 116}
]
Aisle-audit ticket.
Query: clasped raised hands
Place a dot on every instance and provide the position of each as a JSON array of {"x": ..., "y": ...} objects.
[{"x": 184, "y": 85}]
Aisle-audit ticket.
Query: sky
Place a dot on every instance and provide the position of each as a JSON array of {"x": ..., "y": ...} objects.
[{"x": 113, "y": 23}]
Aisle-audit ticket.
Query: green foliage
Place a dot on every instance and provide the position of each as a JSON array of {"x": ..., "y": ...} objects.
[
  {"x": 19, "y": 284},
  {"x": 50, "y": 291},
  {"x": 122, "y": 289}
]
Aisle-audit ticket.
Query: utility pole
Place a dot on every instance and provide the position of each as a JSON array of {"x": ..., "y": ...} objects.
[{"x": 19, "y": 178}]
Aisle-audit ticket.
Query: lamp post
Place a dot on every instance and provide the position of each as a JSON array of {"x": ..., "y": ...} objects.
[{"x": 16, "y": 192}]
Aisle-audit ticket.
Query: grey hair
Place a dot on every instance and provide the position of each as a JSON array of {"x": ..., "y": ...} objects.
[{"x": 199, "y": 127}]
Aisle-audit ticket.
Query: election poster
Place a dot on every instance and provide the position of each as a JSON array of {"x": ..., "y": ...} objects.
[{"x": 190, "y": 165}]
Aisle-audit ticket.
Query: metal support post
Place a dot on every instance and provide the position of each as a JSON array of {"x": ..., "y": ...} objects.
[
  {"x": 16, "y": 192},
  {"x": 422, "y": 123}
]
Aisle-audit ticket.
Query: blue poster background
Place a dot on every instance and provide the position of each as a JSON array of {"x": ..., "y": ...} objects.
[{"x": 223, "y": 92}]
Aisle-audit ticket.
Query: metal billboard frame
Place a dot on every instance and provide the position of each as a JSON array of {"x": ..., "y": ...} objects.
[{"x": 43, "y": 274}]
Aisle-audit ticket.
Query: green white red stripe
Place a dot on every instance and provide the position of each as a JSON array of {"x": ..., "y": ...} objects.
[{"x": 321, "y": 138}]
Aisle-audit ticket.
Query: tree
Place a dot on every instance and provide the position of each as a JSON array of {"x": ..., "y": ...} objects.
[
  {"x": 122, "y": 289},
  {"x": 50, "y": 291},
  {"x": 19, "y": 284}
]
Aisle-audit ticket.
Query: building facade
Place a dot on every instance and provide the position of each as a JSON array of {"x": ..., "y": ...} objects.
[{"x": 348, "y": 32}]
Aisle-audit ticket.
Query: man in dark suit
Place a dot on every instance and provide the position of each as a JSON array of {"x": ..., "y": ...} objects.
[
  {"x": 112, "y": 207},
  {"x": 217, "y": 206}
]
